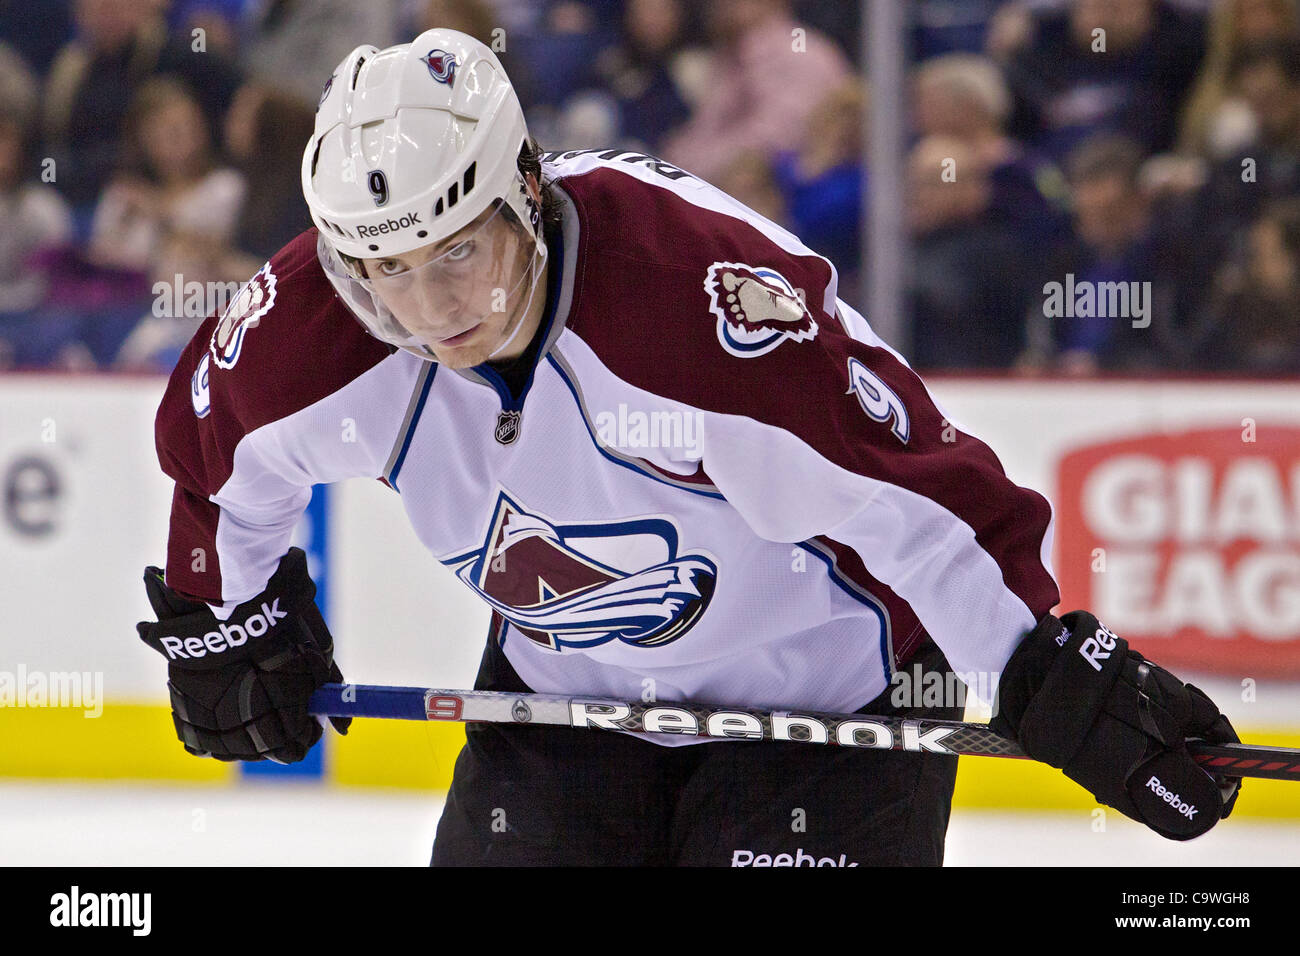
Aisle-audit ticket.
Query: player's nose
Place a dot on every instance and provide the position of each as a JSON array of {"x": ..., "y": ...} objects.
[{"x": 438, "y": 305}]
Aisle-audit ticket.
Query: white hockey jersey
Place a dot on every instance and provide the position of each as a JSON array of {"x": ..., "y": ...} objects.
[{"x": 717, "y": 476}]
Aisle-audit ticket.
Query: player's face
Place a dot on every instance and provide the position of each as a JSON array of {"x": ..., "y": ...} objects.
[{"x": 464, "y": 296}]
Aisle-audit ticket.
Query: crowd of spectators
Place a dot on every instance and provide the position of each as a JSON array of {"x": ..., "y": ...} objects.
[{"x": 1100, "y": 145}]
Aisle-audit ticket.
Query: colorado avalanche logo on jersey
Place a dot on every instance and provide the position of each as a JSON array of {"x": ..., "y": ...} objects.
[
  {"x": 757, "y": 309},
  {"x": 581, "y": 585},
  {"x": 442, "y": 66},
  {"x": 244, "y": 312}
]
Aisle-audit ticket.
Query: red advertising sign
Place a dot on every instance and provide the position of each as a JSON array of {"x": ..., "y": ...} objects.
[{"x": 1188, "y": 545}]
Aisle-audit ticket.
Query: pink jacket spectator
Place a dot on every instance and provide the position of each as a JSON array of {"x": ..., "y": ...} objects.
[{"x": 759, "y": 95}]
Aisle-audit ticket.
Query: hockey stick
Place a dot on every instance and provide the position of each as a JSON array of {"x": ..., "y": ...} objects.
[{"x": 848, "y": 730}]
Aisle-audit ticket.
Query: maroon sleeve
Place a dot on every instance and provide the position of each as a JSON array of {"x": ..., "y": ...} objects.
[{"x": 284, "y": 342}]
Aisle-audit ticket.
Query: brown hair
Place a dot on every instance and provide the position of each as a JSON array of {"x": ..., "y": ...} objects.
[
  {"x": 274, "y": 169},
  {"x": 153, "y": 95},
  {"x": 530, "y": 161},
  {"x": 1286, "y": 214},
  {"x": 1104, "y": 155}
]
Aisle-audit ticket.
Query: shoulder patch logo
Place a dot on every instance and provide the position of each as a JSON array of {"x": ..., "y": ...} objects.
[
  {"x": 757, "y": 308},
  {"x": 244, "y": 312}
]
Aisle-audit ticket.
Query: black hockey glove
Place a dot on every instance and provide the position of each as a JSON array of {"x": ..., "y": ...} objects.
[
  {"x": 240, "y": 687},
  {"x": 1075, "y": 697}
]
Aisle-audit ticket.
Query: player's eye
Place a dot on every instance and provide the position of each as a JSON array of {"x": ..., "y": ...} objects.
[
  {"x": 390, "y": 267},
  {"x": 461, "y": 252}
]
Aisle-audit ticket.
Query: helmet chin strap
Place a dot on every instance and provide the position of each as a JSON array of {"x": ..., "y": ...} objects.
[{"x": 539, "y": 262}]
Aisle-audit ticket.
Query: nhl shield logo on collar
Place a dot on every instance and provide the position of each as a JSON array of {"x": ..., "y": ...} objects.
[{"x": 507, "y": 427}]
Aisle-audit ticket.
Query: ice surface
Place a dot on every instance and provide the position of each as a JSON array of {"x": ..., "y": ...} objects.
[{"x": 310, "y": 825}]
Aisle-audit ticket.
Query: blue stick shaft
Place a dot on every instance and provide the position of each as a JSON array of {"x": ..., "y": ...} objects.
[{"x": 369, "y": 700}]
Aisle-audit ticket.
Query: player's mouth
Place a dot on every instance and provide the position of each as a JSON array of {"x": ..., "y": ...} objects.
[{"x": 459, "y": 337}]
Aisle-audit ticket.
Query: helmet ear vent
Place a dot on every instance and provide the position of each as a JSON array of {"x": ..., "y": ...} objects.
[
  {"x": 315, "y": 158},
  {"x": 356, "y": 71}
]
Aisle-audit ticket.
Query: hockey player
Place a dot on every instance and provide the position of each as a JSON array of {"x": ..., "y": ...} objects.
[{"x": 504, "y": 329}]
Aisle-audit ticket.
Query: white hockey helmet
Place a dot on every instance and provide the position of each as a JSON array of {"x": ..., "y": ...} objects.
[{"x": 412, "y": 144}]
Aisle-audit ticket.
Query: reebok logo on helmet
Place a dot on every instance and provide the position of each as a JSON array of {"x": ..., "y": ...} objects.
[{"x": 389, "y": 225}]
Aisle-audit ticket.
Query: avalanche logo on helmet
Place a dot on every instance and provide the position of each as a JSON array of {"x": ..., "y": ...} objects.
[
  {"x": 244, "y": 312},
  {"x": 757, "y": 309},
  {"x": 442, "y": 66},
  {"x": 546, "y": 579},
  {"x": 324, "y": 93}
]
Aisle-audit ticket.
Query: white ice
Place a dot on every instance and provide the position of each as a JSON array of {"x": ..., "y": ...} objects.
[{"x": 273, "y": 823}]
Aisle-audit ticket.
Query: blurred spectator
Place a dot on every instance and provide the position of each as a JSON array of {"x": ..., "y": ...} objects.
[
  {"x": 294, "y": 45},
  {"x": 551, "y": 50},
  {"x": 643, "y": 72},
  {"x": 1067, "y": 87},
  {"x": 166, "y": 217},
  {"x": 474, "y": 17},
  {"x": 950, "y": 26},
  {"x": 1254, "y": 312},
  {"x": 35, "y": 30},
  {"x": 841, "y": 22},
  {"x": 33, "y": 219},
  {"x": 588, "y": 120},
  {"x": 1010, "y": 30},
  {"x": 969, "y": 291},
  {"x": 964, "y": 96},
  {"x": 1216, "y": 122},
  {"x": 748, "y": 178},
  {"x": 119, "y": 45},
  {"x": 821, "y": 182},
  {"x": 170, "y": 185},
  {"x": 266, "y": 133},
  {"x": 768, "y": 73},
  {"x": 218, "y": 19},
  {"x": 1266, "y": 77},
  {"x": 1113, "y": 242}
]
